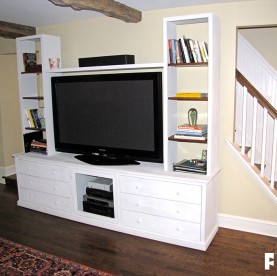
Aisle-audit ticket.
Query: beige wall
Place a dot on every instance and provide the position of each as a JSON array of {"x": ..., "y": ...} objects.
[
  {"x": 7, "y": 46},
  {"x": 264, "y": 40},
  {"x": 239, "y": 194},
  {"x": 10, "y": 129}
]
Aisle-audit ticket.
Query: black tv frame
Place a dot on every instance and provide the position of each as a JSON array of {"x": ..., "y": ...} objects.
[{"x": 99, "y": 155}]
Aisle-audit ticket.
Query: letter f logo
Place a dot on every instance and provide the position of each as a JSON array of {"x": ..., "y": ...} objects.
[{"x": 268, "y": 260}]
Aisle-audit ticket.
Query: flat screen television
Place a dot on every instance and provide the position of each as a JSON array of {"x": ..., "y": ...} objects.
[{"x": 109, "y": 119}]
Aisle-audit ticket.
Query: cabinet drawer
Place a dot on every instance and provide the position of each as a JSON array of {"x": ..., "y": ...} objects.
[
  {"x": 46, "y": 200},
  {"x": 165, "y": 226},
  {"x": 44, "y": 185},
  {"x": 42, "y": 170},
  {"x": 161, "y": 207},
  {"x": 161, "y": 189}
]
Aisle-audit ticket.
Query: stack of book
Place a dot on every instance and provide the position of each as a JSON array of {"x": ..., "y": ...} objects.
[
  {"x": 39, "y": 146},
  {"x": 188, "y": 132},
  {"x": 185, "y": 50},
  {"x": 192, "y": 166},
  {"x": 35, "y": 118},
  {"x": 186, "y": 95}
]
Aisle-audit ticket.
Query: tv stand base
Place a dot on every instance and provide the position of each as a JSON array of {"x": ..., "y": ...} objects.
[{"x": 149, "y": 202}]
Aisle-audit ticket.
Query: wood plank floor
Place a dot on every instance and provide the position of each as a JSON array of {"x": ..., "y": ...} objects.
[{"x": 230, "y": 253}]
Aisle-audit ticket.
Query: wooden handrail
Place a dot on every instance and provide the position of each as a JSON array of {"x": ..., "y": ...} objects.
[{"x": 255, "y": 93}]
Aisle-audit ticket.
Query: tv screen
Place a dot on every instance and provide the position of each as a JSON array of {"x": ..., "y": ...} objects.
[{"x": 109, "y": 118}]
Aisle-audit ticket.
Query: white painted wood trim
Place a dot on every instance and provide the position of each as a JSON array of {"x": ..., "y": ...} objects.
[
  {"x": 262, "y": 227},
  {"x": 250, "y": 169},
  {"x": 109, "y": 68}
]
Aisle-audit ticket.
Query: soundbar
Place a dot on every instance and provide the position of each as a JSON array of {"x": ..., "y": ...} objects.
[{"x": 106, "y": 60}]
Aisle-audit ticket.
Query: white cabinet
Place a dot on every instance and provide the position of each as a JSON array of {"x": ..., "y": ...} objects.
[
  {"x": 43, "y": 186},
  {"x": 168, "y": 208},
  {"x": 149, "y": 200}
]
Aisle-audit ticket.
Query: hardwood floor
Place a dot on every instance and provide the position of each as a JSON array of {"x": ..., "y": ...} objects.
[{"x": 230, "y": 253}]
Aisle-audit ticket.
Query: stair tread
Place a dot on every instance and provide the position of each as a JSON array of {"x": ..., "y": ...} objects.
[
  {"x": 10, "y": 177},
  {"x": 11, "y": 180}
]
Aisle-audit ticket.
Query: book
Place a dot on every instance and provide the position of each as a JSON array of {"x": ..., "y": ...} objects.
[
  {"x": 197, "y": 128},
  {"x": 202, "y": 51},
  {"x": 191, "y": 95},
  {"x": 170, "y": 51},
  {"x": 190, "y": 137},
  {"x": 41, "y": 117},
  {"x": 174, "y": 59},
  {"x": 185, "y": 50},
  {"x": 197, "y": 51},
  {"x": 34, "y": 113},
  {"x": 192, "y": 165},
  {"x": 191, "y": 43},
  {"x": 191, "y": 132},
  {"x": 189, "y": 49},
  {"x": 178, "y": 52},
  {"x": 30, "y": 118}
]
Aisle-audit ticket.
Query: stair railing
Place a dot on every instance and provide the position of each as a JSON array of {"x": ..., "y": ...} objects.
[{"x": 269, "y": 133}]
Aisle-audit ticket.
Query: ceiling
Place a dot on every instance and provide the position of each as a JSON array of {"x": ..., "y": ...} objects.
[{"x": 42, "y": 12}]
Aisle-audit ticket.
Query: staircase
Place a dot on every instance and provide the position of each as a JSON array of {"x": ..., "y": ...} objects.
[{"x": 255, "y": 133}]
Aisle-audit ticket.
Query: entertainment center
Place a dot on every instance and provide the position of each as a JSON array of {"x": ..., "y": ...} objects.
[{"x": 150, "y": 200}]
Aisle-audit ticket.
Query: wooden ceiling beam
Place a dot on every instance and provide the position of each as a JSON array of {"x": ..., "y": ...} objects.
[
  {"x": 11, "y": 30},
  {"x": 110, "y": 8}
]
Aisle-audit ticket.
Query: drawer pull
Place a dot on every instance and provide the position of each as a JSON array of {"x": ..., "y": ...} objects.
[
  {"x": 139, "y": 221},
  {"x": 55, "y": 187},
  {"x": 57, "y": 202},
  {"x": 178, "y": 211}
]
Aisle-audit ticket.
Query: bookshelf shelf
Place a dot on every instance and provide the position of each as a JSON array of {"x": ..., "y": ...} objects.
[
  {"x": 38, "y": 98},
  {"x": 192, "y": 64},
  {"x": 187, "y": 99},
  {"x": 35, "y": 128},
  {"x": 171, "y": 138}
]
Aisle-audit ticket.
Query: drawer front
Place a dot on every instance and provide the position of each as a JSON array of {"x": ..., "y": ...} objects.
[
  {"x": 42, "y": 170},
  {"x": 160, "y": 207},
  {"x": 161, "y": 189},
  {"x": 169, "y": 227},
  {"x": 46, "y": 200},
  {"x": 44, "y": 185}
]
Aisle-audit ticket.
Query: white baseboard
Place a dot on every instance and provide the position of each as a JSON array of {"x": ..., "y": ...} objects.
[
  {"x": 262, "y": 227},
  {"x": 5, "y": 171}
]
